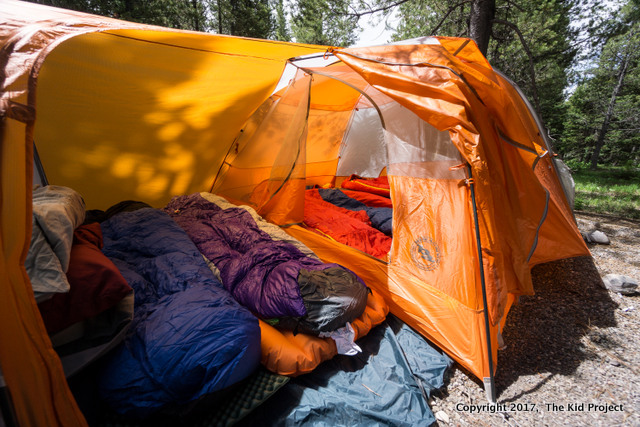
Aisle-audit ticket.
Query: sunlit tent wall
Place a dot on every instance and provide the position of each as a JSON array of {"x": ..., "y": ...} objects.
[{"x": 125, "y": 111}]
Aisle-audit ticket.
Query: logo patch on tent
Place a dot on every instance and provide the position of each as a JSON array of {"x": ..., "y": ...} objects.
[{"x": 425, "y": 254}]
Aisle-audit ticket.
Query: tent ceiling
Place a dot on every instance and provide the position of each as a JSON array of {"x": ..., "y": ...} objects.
[{"x": 170, "y": 104}]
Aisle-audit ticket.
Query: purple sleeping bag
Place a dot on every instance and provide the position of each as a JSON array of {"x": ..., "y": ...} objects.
[{"x": 273, "y": 279}]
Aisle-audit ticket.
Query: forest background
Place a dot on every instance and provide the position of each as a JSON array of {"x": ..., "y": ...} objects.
[{"x": 575, "y": 60}]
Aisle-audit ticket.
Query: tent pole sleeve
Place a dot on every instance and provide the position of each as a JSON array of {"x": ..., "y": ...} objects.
[
  {"x": 542, "y": 130},
  {"x": 337, "y": 53},
  {"x": 307, "y": 57},
  {"x": 489, "y": 383}
]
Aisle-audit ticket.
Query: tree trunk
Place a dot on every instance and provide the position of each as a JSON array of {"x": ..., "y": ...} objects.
[
  {"x": 602, "y": 133},
  {"x": 234, "y": 17},
  {"x": 532, "y": 69},
  {"x": 196, "y": 15},
  {"x": 480, "y": 22}
]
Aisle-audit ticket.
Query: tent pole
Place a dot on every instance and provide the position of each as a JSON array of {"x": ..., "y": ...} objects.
[
  {"x": 38, "y": 166},
  {"x": 489, "y": 383}
]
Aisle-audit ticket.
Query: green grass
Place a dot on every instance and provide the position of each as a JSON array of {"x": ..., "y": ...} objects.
[{"x": 608, "y": 190}]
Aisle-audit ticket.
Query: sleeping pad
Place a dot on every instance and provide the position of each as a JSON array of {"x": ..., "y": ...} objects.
[
  {"x": 271, "y": 277},
  {"x": 388, "y": 384},
  {"x": 189, "y": 338}
]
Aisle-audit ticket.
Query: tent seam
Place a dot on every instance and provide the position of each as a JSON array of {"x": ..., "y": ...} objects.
[
  {"x": 542, "y": 220},
  {"x": 192, "y": 48},
  {"x": 418, "y": 64},
  {"x": 306, "y": 70}
]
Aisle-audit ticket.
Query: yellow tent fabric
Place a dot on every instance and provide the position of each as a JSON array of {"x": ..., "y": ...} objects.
[
  {"x": 160, "y": 145},
  {"x": 190, "y": 92},
  {"x": 126, "y": 111}
]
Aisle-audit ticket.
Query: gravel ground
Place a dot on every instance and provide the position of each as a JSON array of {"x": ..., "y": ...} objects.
[{"x": 573, "y": 349}]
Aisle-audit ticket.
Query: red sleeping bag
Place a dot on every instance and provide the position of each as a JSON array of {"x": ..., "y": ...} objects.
[
  {"x": 378, "y": 185},
  {"x": 352, "y": 228},
  {"x": 96, "y": 283}
]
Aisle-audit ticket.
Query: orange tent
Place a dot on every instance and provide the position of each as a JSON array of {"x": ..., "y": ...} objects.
[
  {"x": 126, "y": 111},
  {"x": 476, "y": 197}
]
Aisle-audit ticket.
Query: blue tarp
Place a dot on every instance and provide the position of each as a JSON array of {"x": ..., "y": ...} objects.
[{"x": 382, "y": 386}]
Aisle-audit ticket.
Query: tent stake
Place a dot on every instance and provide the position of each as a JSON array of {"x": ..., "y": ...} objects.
[{"x": 489, "y": 383}]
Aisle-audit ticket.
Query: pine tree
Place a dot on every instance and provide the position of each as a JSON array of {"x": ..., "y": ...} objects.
[
  {"x": 324, "y": 22},
  {"x": 603, "y": 121},
  {"x": 529, "y": 41},
  {"x": 604, "y": 111},
  {"x": 281, "y": 30}
]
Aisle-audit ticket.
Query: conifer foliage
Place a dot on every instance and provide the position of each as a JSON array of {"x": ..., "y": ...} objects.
[{"x": 576, "y": 60}]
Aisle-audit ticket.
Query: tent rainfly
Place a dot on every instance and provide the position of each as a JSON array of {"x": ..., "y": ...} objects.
[{"x": 119, "y": 111}]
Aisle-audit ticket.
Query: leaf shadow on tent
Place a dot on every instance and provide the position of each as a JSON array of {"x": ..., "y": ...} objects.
[
  {"x": 544, "y": 333},
  {"x": 116, "y": 124},
  {"x": 121, "y": 119}
]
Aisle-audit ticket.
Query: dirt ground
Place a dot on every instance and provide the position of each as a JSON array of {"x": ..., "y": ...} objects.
[{"x": 573, "y": 349}]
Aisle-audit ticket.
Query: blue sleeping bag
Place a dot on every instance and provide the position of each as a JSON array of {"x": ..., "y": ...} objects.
[{"x": 189, "y": 337}]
